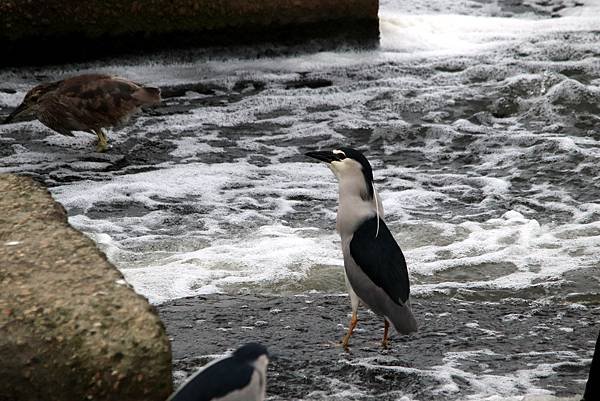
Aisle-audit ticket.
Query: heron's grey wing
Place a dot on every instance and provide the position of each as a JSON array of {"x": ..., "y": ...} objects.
[
  {"x": 381, "y": 259},
  {"x": 215, "y": 382}
]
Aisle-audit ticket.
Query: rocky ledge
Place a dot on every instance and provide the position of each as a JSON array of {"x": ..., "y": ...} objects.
[{"x": 70, "y": 327}]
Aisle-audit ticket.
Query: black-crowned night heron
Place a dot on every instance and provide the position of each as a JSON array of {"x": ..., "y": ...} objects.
[
  {"x": 86, "y": 103},
  {"x": 375, "y": 268},
  {"x": 241, "y": 376}
]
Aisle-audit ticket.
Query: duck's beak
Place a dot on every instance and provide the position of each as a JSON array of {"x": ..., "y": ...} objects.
[
  {"x": 21, "y": 109},
  {"x": 326, "y": 156}
]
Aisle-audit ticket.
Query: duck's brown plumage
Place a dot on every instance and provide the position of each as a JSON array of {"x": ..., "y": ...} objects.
[{"x": 87, "y": 103}]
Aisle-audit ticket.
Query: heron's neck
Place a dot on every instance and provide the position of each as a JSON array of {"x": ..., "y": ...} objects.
[
  {"x": 261, "y": 363},
  {"x": 261, "y": 367},
  {"x": 355, "y": 205}
]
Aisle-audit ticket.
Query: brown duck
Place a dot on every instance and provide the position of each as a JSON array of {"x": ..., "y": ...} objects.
[{"x": 86, "y": 103}]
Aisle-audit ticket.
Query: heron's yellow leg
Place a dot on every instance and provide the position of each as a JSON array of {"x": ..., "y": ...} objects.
[
  {"x": 386, "y": 327},
  {"x": 102, "y": 140},
  {"x": 353, "y": 322}
]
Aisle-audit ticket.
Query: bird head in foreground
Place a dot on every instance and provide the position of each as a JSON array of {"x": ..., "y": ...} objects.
[
  {"x": 239, "y": 376},
  {"x": 252, "y": 353},
  {"x": 27, "y": 107},
  {"x": 349, "y": 165}
]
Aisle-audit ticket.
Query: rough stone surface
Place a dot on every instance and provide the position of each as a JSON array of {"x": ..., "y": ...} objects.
[
  {"x": 40, "y": 29},
  {"x": 70, "y": 327},
  {"x": 472, "y": 340}
]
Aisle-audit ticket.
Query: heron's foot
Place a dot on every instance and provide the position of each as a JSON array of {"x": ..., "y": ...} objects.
[
  {"x": 353, "y": 322},
  {"x": 385, "y": 344},
  {"x": 345, "y": 343},
  {"x": 102, "y": 145},
  {"x": 386, "y": 327}
]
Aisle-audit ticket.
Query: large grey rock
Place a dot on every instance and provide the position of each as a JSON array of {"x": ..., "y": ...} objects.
[
  {"x": 70, "y": 328},
  {"x": 46, "y": 31}
]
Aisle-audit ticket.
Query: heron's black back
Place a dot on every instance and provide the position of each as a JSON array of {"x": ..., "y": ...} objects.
[
  {"x": 250, "y": 352},
  {"x": 381, "y": 259},
  {"x": 216, "y": 381}
]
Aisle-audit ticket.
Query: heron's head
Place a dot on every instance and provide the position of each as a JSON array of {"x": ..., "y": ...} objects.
[
  {"x": 253, "y": 353},
  {"x": 348, "y": 165},
  {"x": 28, "y": 107},
  {"x": 250, "y": 351}
]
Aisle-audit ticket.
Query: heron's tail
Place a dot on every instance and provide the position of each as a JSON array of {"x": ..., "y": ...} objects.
[
  {"x": 403, "y": 319},
  {"x": 147, "y": 96}
]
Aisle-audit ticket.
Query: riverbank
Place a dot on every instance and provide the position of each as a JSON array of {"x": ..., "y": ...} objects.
[{"x": 462, "y": 349}]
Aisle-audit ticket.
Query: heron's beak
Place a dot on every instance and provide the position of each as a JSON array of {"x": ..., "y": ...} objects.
[
  {"x": 21, "y": 109},
  {"x": 326, "y": 156}
]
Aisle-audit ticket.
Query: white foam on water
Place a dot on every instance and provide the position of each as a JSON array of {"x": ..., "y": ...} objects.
[
  {"x": 206, "y": 257},
  {"x": 10, "y": 99},
  {"x": 453, "y": 34},
  {"x": 588, "y": 8},
  {"x": 539, "y": 253},
  {"x": 219, "y": 187},
  {"x": 519, "y": 385},
  {"x": 273, "y": 254}
]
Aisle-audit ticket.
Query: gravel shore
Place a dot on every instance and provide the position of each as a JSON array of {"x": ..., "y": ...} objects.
[{"x": 512, "y": 347}]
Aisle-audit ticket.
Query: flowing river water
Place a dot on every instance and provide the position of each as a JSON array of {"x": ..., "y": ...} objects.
[{"x": 481, "y": 121}]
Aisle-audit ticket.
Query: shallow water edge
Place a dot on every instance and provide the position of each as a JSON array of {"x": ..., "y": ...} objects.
[{"x": 463, "y": 350}]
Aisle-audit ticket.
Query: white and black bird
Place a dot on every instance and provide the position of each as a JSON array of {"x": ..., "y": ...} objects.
[
  {"x": 375, "y": 268},
  {"x": 241, "y": 376}
]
